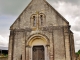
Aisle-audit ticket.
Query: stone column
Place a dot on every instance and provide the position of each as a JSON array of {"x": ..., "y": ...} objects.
[
  {"x": 11, "y": 43},
  {"x": 51, "y": 53},
  {"x": 67, "y": 46},
  {"x": 23, "y": 49},
  {"x": 74, "y": 56},
  {"x": 67, "y": 42},
  {"x": 31, "y": 53},
  {"x": 10, "y": 48},
  {"x": 27, "y": 52},
  {"x": 45, "y": 53},
  {"x": 48, "y": 52},
  {"x": 51, "y": 46}
]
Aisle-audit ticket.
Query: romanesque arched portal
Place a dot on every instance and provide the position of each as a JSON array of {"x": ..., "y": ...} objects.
[{"x": 36, "y": 48}]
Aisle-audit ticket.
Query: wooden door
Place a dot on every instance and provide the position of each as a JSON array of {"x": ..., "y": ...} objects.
[{"x": 38, "y": 53}]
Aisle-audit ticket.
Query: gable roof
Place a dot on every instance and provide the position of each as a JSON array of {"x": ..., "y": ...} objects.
[
  {"x": 20, "y": 14},
  {"x": 57, "y": 12},
  {"x": 48, "y": 5}
]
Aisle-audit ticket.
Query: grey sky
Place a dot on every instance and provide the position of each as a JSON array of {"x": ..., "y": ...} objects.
[
  {"x": 70, "y": 1},
  {"x": 16, "y": 6},
  {"x": 11, "y": 9}
]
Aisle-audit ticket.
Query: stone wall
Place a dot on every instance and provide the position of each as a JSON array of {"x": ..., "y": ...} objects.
[
  {"x": 52, "y": 16},
  {"x": 4, "y": 58}
]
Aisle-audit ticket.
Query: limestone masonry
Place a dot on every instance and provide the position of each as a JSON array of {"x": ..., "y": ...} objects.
[{"x": 41, "y": 33}]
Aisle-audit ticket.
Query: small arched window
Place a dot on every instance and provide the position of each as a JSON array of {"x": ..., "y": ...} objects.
[
  {"x": 41, "y": 18},
  {"x": 34, "y": 21}
]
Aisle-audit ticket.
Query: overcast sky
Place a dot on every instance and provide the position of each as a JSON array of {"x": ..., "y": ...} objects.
[{"x": 11, "y": 9}]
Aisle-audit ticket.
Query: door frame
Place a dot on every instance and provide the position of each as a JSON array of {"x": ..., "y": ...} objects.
[
  {"x": 29, "y": 46},
  {"x": 46, "y": 52},
  {"x": 38, "y": 46}
]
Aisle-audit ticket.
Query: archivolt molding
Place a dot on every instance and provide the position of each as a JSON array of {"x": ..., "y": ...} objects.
[{"x": 37, "y": 36}]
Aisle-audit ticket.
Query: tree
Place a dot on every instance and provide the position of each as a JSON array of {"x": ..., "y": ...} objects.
[{"x": 78, "y": 52}]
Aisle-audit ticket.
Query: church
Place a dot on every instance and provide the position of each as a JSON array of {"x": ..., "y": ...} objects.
[{"x": 41, "y": 33}]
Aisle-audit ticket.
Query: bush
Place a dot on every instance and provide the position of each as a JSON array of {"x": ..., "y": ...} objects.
[{"x": 78, "y": 52}]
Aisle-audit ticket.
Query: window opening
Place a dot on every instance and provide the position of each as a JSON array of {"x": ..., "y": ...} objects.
[
  {"x": 41, "y": 18},
  {"x": 34, "y": 21}
]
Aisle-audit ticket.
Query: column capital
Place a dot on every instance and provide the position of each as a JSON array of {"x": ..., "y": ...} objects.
[
  {"x": 28, "y": 46},
  {"x": 47, "y": 45}
]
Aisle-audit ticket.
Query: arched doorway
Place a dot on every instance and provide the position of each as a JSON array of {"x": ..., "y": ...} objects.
[
  {"x": 37, "y": 48},
  {"x": 38, "y": 53}
]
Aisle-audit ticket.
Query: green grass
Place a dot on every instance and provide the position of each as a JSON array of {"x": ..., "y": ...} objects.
[{"x": 4, "y": 55}]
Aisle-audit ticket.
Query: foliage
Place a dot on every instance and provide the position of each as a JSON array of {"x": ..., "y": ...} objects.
[
  {"x": 4, "y": 55},
  {"x": 78, "y": 52}
]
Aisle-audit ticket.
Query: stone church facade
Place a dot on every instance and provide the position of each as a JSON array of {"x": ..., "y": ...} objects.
[{"x": 41, "y": 33}]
